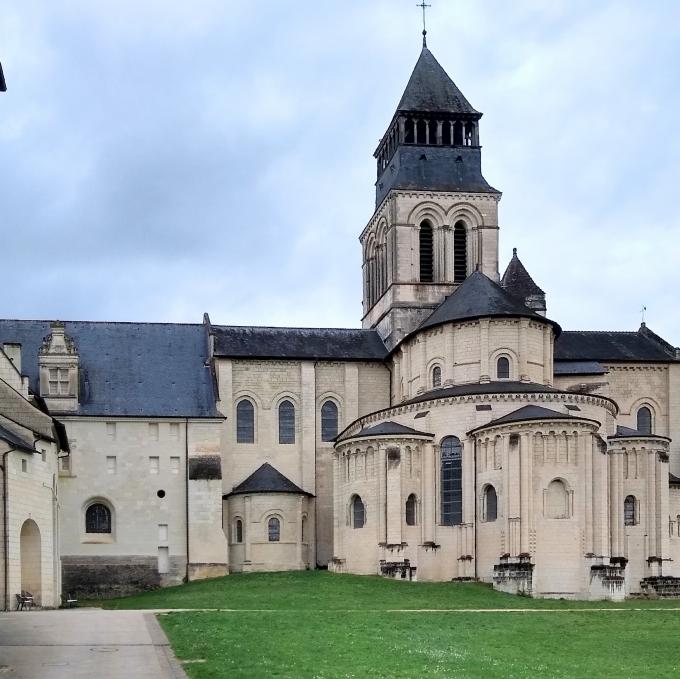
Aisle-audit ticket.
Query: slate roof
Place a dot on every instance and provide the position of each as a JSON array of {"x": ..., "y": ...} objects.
[
  {"x": 129, "y": 369},
  {"x": 485, "y": 388},
  {"x": 23, "y": 414},
  {"x": 517, "y": 281},
  {"x": 430, "y": 89},
  {"x": 531, "y": 413},
  {"x": 267, "y": 479},
  {"x": 579, "y": 368},
  {"x": 628, "y": 432},
  {"x": 14, "y": 440},
  {"x": 333, "y": 344},
  {"x": 387, "y": 429},
  {"x": 479, "y": 297},
  {"x": 612, "y": 346}
]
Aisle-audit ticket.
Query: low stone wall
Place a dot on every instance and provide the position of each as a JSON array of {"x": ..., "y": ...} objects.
[{"x": 104, "y": 577}]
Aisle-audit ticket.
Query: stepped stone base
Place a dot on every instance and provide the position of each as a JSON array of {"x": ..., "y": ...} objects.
[{"x": 661, "y": 586}]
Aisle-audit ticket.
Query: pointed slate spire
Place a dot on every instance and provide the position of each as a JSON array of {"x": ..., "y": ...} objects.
[
  {"x": 430, "y": 89},
  {"x": 517, "y": 281}
]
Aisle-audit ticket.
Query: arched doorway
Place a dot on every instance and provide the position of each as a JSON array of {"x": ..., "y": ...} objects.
[{"x": 30, "y": 559}]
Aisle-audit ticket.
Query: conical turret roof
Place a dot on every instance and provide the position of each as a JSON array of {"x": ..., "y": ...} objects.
[
  {"x": 431, "y": 90},
  {"x": 517, "y": 281}
]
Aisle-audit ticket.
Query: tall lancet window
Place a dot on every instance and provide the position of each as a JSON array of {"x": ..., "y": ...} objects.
[
  {"x": 426, "y": 253},
  {"x": 451, "y": 481},
  {"x": 459, "y": 252}
]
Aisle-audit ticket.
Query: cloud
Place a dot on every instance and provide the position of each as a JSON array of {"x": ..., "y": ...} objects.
[{"x": 162, "y": 159}]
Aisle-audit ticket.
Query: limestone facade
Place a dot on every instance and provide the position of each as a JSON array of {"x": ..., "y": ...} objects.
[{"x": 460, "y": 434}]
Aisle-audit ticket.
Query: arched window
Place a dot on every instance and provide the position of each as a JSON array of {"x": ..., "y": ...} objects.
[
  {"x": 459, "y": 252},
  {"x": 490, "y": 504},
  {"x": 644, "y": 420},
  {"x": 245, "y": 422},
  {"x": 286, "y": 422},
  {"x": 239, "y": 530},
  {"x": 358, "y": 512},
  {"x": 556, "y": 501},
  {"x": 98, "y": 518},
  {"x": 411, "y": 510},
  {"x": 503, "y": 368},
  {"x": 273, "y": 530},
  {"x": 630, "y": 511},
  {"x": 451, "y": 481},
  {"x": 426, "y": 253},
  {"x": 436, "y": 377},
  {"x": 329, "y": 421}
]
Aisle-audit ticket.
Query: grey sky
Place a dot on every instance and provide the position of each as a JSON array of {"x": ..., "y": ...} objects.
[{"x": 162, "y": 159}]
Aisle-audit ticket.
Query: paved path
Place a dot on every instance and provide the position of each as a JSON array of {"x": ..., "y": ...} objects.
[{"x": 85, "y": 643}]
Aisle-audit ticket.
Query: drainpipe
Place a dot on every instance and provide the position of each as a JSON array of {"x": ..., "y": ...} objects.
[
  {"x": 6, "y": 526},
  {"x": 186, "y": 489}
]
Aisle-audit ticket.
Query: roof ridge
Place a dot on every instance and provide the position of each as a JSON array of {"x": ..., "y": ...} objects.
[
  {"x": 602, "y": 332},
  {"x": 287, "y": 327},
  {"x": 52, "y": 320}
]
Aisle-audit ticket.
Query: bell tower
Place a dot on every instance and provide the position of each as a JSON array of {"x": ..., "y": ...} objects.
[{"x": 436, "y": 217}]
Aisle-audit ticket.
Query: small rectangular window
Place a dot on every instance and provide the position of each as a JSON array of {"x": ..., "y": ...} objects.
[
  {"x": 43, "y": 455},
  {"x": 58, "y": 383},
  {"x": 153, "y": 431},
  {"x": 163, "y": 560},
  {"x": 162, "y": 532},
  {"x": 111, "y": 465},
  {"x": 174, "y": 465},
  {"x": 174, "y": 431},
  {"x": 154, "y": 464},
  {"x": 65, "y": 463},
  {"x": 24, "y": 466},
  {"x": 111, "y": 430}
]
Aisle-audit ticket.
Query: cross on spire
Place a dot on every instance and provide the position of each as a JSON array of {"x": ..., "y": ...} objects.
[{"x": 424, "y": 8}]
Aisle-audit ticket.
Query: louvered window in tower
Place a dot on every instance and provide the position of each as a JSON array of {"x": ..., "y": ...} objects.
[
  {"x": 459, "y": 253},
  {"x": 426, "y": 252}
]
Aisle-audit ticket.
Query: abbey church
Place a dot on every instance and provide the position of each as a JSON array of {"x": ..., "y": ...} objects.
[{"x": 461, "y": 434}]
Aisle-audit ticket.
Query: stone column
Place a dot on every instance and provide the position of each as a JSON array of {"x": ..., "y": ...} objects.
[
  {"x": 662, "y": 505},
  {"x": 525, "y": 490},
  {"x": 430, "y": 456},
  {"x": 307, "y": 478},
  {"x": 381, "y": 508},
  {"x": 298, "y": 540},
  {"x": 393, "y": 496},
  {"x": 249, "y": 529},
  {"x": 439, "y": 132},
  {"x": 523, "y": 350},
  {"x": 586, "y": 455},
  {"x": 424, "y": 377},
  {"x": 547, "y": 359},
  {"x": 484, "y": 375},
  {"x": 651, "y": 502},
  {"x": 449, "y": 355}
]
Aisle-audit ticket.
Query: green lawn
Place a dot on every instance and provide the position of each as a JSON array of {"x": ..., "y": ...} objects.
[
  {"x": 320, "y": 590},
  {"x": 319, "y": 625}
]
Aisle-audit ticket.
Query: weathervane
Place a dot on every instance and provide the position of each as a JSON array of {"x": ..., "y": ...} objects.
[{"x": 424, "y": 8}]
